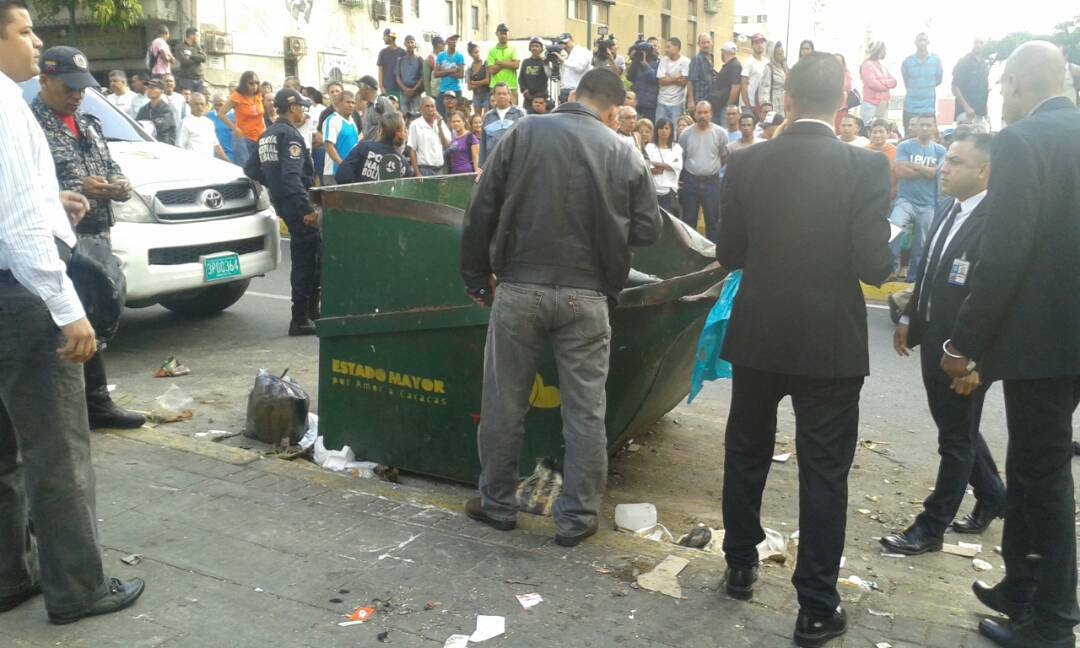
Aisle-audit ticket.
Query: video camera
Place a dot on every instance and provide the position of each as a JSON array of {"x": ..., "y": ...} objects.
[
  {"x": 553, "y": 53},
  {"x": 604, "y": 45},
  {"x": 641, "y": 47}
]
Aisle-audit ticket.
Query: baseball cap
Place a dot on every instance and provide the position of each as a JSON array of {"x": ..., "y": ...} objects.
[
  {"x": 369, "y": 81},
  {"x": 729, "y": 47},
  {"x": 70, "y": 65},
  {"x": 502, "y": 28},
  {"x": 759, "y": 37},
  {"x": 453, "y": 37},
  {"x": 285, "y": 99},
  {"x": 389, "y": 32},
  {"x": 565, "y": 37}
]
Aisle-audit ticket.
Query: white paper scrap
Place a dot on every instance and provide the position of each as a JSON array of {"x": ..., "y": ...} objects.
[
  {"x": 529, "y": 600},
  {"x": 782, "y": 458},
  {"x": 488, "y": 627},
  {"x": 457, "y": 641}
]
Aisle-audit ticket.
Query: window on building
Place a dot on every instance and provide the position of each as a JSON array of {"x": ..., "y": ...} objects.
[
  {"x": 665, "y": 26},
  {"x": 416, "y": 8},
  {"x": 601, "y": 13},
  {"x": 449, "y": 12},
  {"x": 475, "y": 18},
  {"x": 667, "y": 4},
  {"x": 691, "y": 38},
  {"x": 691, "y": 8},
  {"x": 640, "y": 24},
  {"x": 762, "y": 18},
  {"x": 397, "y": 12}
]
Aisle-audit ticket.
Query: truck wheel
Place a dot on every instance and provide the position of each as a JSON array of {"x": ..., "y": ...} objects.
[{"x": 208, "y": 301}]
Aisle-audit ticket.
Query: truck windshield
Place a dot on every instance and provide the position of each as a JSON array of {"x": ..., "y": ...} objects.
[{"x": 117, "y": 126}]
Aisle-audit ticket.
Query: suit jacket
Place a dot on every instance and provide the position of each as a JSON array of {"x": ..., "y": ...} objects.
[
  {"x": 1022, "y": 319},
  {"x": 945, "y": 298},
  {"x": 804, "y": 216}
]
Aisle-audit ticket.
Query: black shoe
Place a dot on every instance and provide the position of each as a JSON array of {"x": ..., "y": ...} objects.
[
  {"x": 121, "y": 595},
  {"x": 299, "y": 327},
  {"x": 912, "y": 542},
  {"x": 104, "y": 413},
  {"x": 13, "y": 601},
  {"x": 997, "y": 599},
  {"x": 739, "y": 582},
  {"x": 811, "y": 632},
  {"x": 475, "y": 510},
  {"x": 575, "y": 540},
  {"x": 979, "y": 518},
  {"x": 1021, "y": 635}
]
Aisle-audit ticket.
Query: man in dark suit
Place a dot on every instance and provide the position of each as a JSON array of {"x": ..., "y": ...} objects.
[
  {"x": 824, "y": 223},
  {"x": 951, "y": 252},
  {"x": 1021, "y": 326}
]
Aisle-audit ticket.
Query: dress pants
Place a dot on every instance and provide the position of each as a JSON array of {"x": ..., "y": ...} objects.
[
  {"x": 305, "y": 247},
  {"x": 45, "y": 471},
  {"x": 965, "y": 457},
  {"x": 826, "y": 432},
  {"x": 1039, "y": 539}
]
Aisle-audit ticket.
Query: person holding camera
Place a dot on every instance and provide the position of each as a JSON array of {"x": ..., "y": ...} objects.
[
  {"x": 672, "y": 73},
  {"x": 575, "y": 63},
  {"x": 644, "y": 61}
]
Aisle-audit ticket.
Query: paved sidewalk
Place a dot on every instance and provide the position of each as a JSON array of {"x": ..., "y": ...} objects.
[{"x": 245, "y": 551}]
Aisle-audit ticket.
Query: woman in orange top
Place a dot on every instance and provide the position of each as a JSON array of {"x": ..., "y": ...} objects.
[{"x": 246, "y": 102}]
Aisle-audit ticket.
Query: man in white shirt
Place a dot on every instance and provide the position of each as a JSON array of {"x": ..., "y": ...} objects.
[
  {"x": 138, "y": 94},
  {"x": 430, "y": 138},
  {"x": 119, "y": 94},
  {"x": 197, "y": 132},
  {"x": 576, "y": 62},
  {"x": 672, "y": 73},
  {"x": 849, "y": 132},
  {"x": 751, "y": 75},
  {"x": 175, "y": 100},
  {"x": 44, "y": 434}
]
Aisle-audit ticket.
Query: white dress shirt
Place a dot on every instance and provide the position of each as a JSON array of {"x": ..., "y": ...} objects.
[
  {"x": 425, "y": 141},
  {"x": 575, "y": 65},
  {"x": 123, "y": 102},
  {"x": 137, "y": 102},
  {"x": 31, "y": 214},
  {"x": 197, "y": 134}
]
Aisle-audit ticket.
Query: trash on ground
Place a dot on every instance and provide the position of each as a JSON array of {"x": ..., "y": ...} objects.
[
  {"x": 312, "y": 433},
  {"x": 782, "y": 458},
  {"x": 277, "y": 409},
  {"x": 633, "y": 447},
  {"x": 111, "y": 388},
  {"x": 864, "y": 585},
  {"x": 883, "y": 644},
  {"x": 488, "y": 627},
  {"x": 344, "y": 460},
  {"x": 981, "y": 565},
  {"x": 957, "y": 550},
  {"x": 698, "y": 538},
  {"x": 171, "y": 368},
  {"x": 431, "y": 605},
  {"x": 970, "y": 545},
  {"x": 212, "y": 433},
  {"x": 773, "y": 548},
  {"x": 457, "y": 641},
  {"x": 886, "y": 554},
  {"x": 362, "y": 614},
  {"x": 537, "y": 493},
  {"x": 172, "y": 406},
  {"x": 664, "y": 578},
  {"x": 887, "y": 615},
  {"x": 383, "y": 636},
  {"x": 529, "y": 600},
  {"x": 133, "y": 559},
  {"x": 633, "y": 517}
]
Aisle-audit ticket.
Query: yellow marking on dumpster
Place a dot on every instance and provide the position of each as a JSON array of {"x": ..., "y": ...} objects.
[
  {"x": 383, "y": 381},
  {"x": 544, "y": 396}
]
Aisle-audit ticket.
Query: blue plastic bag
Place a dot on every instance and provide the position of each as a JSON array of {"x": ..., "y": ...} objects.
[{"x": 708, "y": 365}]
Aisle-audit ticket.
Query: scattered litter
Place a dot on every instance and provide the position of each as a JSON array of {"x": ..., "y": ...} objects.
[
  {"x": 632, "y": 517},
  {"x": 457, "y": 641},
  {"x": 111, "y": 388},
  {"x": 345, "y": 460},
  {"x": 886, "y": 554},
  {"x": 133, "y": 559},
  {"x": 344, "y": 624},
  {"x": 958, "y": 550},
  {"x": 664, "y": 578},
  {"x": 883, "y": 644},
  {"x": 602, "y": 570},
  {"x": 698, "y": 538},
  {"x": 488, "y": 627},
  {"x": 997, "y": 550},
  {"x": 537, "y": 493},
  {"x": 211, "y": 433},
  {"x": 383, "y": 636},
  {"x": 970, "y": 545},
  {"x": 782, "y": 458},
  {"x": 633, "y": 447},
  {"x": 171, "y": 368},
  {"x": 172, "y": 406},
  {"x": 529, "y": 600},
  {"x": 259, "y": 589},
  {"x": 872, "y": 498},
  {"x": 981, "y": 565},
  {"x": 773, "y": 548},
  {"x": 312, "y": 433},
  {"x": 336, "y": 600},
  {"x": 631, "y": 617},
  {"x": 864, "y": 585},
  {"x": 864, "y": 511},
  {"x": 362, "y": 614},
  {"x": 887, "y": 615},
  {"x": 431, "y": 605},
  {"x": 277, "y": 409}
]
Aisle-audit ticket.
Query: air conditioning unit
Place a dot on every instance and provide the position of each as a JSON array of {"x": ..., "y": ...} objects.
[
  {"x": 295, "y": 46},
  {"x": 379, "y": 10},
  {"x": 713, "y": 6},
  {"x": 218, "y": 44}
]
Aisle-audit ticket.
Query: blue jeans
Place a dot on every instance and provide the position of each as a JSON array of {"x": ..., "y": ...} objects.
[
  {"x": 243, "y": 148},
  {"x": 671, "y": 113},
  {"x": 701, "y": 193},
  {"x": 920, "y": 217}
]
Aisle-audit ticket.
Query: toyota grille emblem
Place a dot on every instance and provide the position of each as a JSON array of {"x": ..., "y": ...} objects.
[{"x": 212, "y": 198}]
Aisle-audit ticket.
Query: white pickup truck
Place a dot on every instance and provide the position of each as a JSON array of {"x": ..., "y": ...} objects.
[{"x": 194, "y": 232}]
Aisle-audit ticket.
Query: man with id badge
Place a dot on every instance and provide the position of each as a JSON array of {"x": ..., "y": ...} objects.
[{"x": 956, "y": 405}]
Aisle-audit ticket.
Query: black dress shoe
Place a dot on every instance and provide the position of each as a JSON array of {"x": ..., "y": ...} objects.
[
  {"x": 1022, "y": 635},
  {"x": 812, "y": 632},
  {"x": 575, "y": 540},
  {"x": 475, "y": 510},
  {"x": 121, "y": 595},
  {"x": 739, "y": 582},
  {"x": 12, "y": 601},
  {"x": 105, "y": 414},
  {"x": 299, "y": 327},
  {"x": 912, "y": 542},
  {"x": 997, "y": 599},
  {"x": 979, "y": 518}
]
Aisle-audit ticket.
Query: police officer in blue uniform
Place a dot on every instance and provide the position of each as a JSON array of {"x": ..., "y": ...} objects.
[{"x": 284, "y": 166}]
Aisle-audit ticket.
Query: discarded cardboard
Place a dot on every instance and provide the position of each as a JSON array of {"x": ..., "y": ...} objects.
[
  {"x": 957, "y": 550},
  {"x": 457, "y": 641},
  {"x": 529, "y": 600},
  {"x": 488, "y": 627},
  {"x": 664, "y": 578}
]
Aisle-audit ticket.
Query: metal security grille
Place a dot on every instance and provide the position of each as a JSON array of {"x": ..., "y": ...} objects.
[{"x": 191, "y": 253}]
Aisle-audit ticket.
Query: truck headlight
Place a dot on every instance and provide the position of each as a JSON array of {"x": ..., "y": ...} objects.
[
  {"x": 263, "y": 198},
  {"x": 134, "y": 210}
]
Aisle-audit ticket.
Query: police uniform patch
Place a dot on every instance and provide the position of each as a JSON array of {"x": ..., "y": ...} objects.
[
  {"x": 80, "y": 62},
  {"x": 294, "y": 151}
]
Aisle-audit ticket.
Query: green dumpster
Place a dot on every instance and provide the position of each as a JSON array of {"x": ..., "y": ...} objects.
[{"x": 401, "y": 345}]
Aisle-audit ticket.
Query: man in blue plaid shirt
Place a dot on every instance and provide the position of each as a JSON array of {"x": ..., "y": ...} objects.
[{"x": 701, "y": 71}]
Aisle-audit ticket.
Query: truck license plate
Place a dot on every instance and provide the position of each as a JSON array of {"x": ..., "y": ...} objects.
[{"x": 219, "y": 267}]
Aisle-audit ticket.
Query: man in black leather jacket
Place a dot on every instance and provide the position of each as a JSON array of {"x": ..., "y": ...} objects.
[{"x": 552, "y": 219}]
